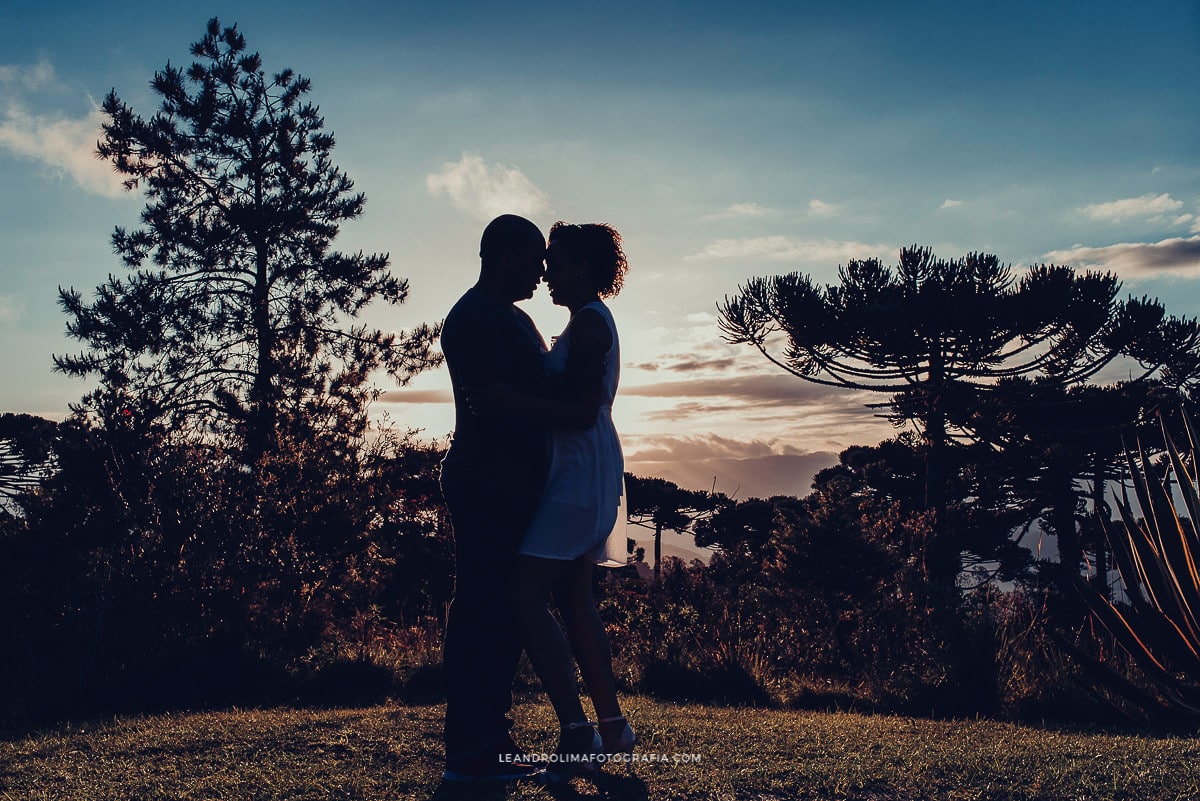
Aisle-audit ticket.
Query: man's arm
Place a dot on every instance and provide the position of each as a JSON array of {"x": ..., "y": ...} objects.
[{"x": 474, "y": 348}]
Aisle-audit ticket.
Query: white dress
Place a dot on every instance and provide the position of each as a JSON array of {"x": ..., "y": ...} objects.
[{"x": 582, "y": 511}]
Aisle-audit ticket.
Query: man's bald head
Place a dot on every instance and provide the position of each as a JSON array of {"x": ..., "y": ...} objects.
[
  {"x": 511, "y": 255},
  {"x": 507, "y": 233}
]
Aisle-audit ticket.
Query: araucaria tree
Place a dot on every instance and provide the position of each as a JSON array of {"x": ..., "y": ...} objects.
[
  {"x": 934, "y": 333},
  {"x": 238, "y": 314}
]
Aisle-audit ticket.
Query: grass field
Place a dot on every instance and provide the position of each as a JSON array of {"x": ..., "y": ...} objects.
[{"x": 394, "y": 752}]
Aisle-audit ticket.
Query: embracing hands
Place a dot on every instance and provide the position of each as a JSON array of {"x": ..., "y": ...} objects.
[{"x": 490, "y": 399}]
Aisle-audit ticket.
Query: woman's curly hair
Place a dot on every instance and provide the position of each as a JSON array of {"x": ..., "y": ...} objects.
[{"x": 598, "y": 247}]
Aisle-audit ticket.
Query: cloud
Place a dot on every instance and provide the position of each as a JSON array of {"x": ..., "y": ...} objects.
[
  {"x": 760, "y": 402},
  {"x": 1184, "y": 219},
  {"x": 830, "y": 416},
  {"x": 687, "y": 364},
  {"x": 782, "y": 248},
  {"x": 485, "y": 191},
  {"x": 755, "y": 468},
  {"x": 1133, "y": 260},
  {"x": 748, "y": 210},
  {"x": 64, "y": 143},
  {"x": 1125, "y": 208},
  {"x": 11, "y": 309},
  {"x": 819, "y": 208},
  {"x": 756, "y": 389},
  {"x": 417, "y": 396},
  {"x": 816, "y": 208},
  {"x": 950, "y": 204},
  {"x": 702, "y": 446},
  {"x": 741, "y": 210},
  {"x": 29, "y": 79}
]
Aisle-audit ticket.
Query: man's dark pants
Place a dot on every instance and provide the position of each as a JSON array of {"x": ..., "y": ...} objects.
[{"x": 490, "y": 510}]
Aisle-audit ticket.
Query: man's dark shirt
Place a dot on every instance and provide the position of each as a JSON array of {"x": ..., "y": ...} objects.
[{"x": 487, "y": 341}]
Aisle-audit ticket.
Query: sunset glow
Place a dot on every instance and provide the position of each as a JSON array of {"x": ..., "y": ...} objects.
[{"x": 723, "y": 141}]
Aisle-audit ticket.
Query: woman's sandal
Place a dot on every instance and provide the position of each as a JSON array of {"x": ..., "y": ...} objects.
[
  {"x": 624, "y": 739},
  {"x": 579, "y": 753}
]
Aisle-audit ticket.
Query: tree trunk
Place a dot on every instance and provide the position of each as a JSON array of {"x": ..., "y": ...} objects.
[
  {"x": 1062, "y": 516},
  {"x": 941, "y": 558},
  {"x": 261, "y": 417},
  {"x": 657, "y": 552}
]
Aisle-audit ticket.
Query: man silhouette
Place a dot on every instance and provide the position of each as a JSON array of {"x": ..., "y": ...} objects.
[{"x": 492, "y": 480}]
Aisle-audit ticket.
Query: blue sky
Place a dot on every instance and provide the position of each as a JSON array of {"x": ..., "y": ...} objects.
[{"x": 723, "y": 140}]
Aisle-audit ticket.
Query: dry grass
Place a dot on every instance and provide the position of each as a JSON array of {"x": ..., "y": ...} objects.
[{"x": 394, "y": 752}]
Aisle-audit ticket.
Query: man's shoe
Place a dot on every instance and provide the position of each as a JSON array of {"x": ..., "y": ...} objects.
[{"x": 503, "y": 763}]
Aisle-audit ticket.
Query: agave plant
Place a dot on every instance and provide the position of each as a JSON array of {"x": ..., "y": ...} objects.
[
  {"x": 17, "y": 474},
  {"x": 1157, "y": 554}
]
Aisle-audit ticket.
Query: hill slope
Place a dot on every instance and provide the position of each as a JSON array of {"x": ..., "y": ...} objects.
[{"x": 394, "y": 752}]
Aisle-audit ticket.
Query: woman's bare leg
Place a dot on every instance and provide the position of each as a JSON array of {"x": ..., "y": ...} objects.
[
  {"x": 589, "y": 639},
  {"x": 543, "y": 637}
]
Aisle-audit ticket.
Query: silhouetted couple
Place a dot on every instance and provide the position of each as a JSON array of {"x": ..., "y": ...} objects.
[{"x": 533, "y": 482}]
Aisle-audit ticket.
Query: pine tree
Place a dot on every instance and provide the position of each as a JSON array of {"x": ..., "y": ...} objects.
[{"x": 238, "y": 316}]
